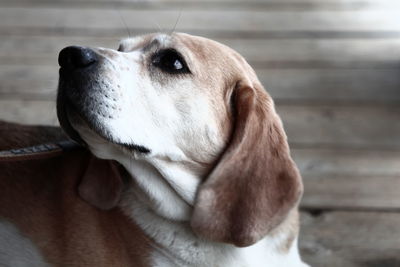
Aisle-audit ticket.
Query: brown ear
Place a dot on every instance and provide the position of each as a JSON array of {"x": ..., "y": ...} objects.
[
  {"x": 101, "y": 185},
  {"x": 256, "y": 183}
]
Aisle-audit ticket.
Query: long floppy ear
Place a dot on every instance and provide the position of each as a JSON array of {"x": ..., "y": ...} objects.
[
  {"x": 101, "y": 185},
  {"x": 255, "y": 183}
]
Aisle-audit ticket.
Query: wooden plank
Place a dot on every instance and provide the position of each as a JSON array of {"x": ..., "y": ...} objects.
[
  {"x": 324, "y": 126},
  {"x": 104, "y": 20},
  {"x": 204, "y": 4},
  {"x": 227, "y": 2},
  {"x": 28, "y": 82},
  {"x": 351, "y": 239},
  {"x": 332, "y": 51},
  {"x": 29, "y": 112},
  {"x": 342, "y": 126},
  {"x": 318, "y": 163},
  {"x": 349, "y": 179},
  {"x": 336, "y": 85},
  {"x": 21, "y": 81},
  {"x": 260, "y": 52},
  {"x": 352, "y": 192}
]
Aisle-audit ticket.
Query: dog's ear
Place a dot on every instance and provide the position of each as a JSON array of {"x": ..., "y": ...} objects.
[
  {"x": 255, "y": 183},
  {"x": 101, "y": 185}
]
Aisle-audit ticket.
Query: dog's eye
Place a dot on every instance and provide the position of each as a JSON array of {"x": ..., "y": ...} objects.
[{"x": 169, "y": 60}]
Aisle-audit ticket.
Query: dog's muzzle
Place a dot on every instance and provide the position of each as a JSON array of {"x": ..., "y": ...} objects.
[{"x": 84, "y": 91}]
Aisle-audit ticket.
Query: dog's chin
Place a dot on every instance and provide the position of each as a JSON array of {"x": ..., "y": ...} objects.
[{"x": 92, "y": 133}]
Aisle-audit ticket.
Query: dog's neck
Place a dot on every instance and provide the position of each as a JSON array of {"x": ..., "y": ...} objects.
[
  {"x": 155, "y": 202},
  {"x": 167, "y": 188}
]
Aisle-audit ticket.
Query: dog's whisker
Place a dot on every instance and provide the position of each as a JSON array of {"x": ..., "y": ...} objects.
[
  {"x": 176, "y": 22},
  {"x": 122, "y": 19},
  {"x": 158, "y": 26}
]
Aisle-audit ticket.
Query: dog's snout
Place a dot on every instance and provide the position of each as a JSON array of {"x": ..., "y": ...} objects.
[{"x": 74, "y": 57}]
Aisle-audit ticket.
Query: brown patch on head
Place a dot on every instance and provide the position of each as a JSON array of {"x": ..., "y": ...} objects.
[{"x": 216, "y": 69}]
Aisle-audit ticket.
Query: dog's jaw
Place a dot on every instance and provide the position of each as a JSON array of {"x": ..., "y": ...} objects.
[{"x": 164, "y": 184}]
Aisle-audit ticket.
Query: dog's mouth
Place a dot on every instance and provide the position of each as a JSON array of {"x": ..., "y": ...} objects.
[{"x": 70, "y": 116}]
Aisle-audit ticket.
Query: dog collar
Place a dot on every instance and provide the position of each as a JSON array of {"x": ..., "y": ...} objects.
[{"x": 39, "y": 151}]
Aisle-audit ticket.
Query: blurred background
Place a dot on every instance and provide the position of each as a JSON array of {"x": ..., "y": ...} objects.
[{"x": 332, "y": 66}]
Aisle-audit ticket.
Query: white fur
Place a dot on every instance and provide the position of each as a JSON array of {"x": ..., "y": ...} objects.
[
  {"x": 16, "y": 250},
  {"x": 180, "y": 247},
  {"x": 176, "y": 121}
]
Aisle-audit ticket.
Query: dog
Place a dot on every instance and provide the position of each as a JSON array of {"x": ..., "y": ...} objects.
[{"x": 191, "y": 165}]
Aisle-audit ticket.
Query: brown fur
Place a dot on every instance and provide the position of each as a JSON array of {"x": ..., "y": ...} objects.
[
  {"x": 255, "y": 184},
  {"x": 40, "y": 198}
]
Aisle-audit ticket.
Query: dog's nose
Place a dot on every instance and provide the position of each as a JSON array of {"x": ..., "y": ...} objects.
[{"x": 74, "y": 57}]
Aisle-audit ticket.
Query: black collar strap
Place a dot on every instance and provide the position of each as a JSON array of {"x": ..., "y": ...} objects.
[{"x": 38, "y": 151}]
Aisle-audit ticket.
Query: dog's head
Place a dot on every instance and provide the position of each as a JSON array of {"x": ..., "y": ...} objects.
[{"x": 193, "y": 111}]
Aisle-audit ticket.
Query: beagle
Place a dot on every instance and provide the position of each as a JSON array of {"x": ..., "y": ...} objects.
[{"x": 191, "y": 168}]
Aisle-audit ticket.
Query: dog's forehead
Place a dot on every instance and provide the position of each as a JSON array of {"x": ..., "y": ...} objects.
[
  {"x": 138, "y": 42},
  {"x": 194, "y": 44}
]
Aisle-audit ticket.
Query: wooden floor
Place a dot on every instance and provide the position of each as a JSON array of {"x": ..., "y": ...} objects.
[{"x": 333, "y": 67}]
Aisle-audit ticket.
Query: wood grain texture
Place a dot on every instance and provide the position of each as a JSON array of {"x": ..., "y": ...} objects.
[
  {"x": 351, "y": 239},
  {"x": 349, "y": 179},
  {"x": 332, "y": 85},
  {"x": 342, "y": 126},
  {"x": 28, "y": 82},
  {"x": 207, "y": 4},
  {"x": 227, "y": 2},
  {"x": 321, "y": 163},
  {"x": 352, "y": 192},
  {"x": 29, "y": 112},
  {"x": 103, "y": 20}
]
